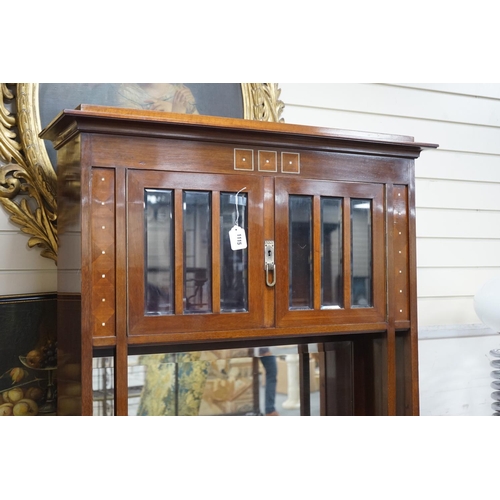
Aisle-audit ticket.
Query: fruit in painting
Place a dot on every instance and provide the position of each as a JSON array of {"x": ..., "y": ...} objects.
[
  {"x": 25, "y": 408},
  {"x": 6, "y": 410},
  {"x": 48, "y": 354},
  {"x": 34, "y": 393},
  {"x": 13, "y": 395},
  {"x": 17, "y": 374},
  {"x": 33, "y": 358},
  {"x": 44, "y": 356}
]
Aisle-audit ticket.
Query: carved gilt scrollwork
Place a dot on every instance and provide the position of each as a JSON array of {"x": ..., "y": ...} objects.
[
  {"x": 27, "y": 177},
  {"x": 27, "y": 170},
  {"x": 262, "y": 102}
]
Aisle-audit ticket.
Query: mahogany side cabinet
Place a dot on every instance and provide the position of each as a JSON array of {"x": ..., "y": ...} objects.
[{"x": 186, "y": 233}]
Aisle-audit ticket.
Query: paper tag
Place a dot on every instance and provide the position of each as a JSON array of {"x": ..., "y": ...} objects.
[{"x": 237, "y": 238}]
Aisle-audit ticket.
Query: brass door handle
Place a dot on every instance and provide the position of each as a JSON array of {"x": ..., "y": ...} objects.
[{"x": 270, "y": 268}]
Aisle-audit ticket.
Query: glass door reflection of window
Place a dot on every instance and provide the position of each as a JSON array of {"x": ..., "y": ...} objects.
[
  {"x": 159, "y": 240},
  {"x": 233, "y": 264},
  {"x": 361, "y": 253},
  {"x": 301, "y": 253},
  {"x": 197, "y": 253},
  {"x": 332, "y": 277},
  {"x": 300, "y": 246}
]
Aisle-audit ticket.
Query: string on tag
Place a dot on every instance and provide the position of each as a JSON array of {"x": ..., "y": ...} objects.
[
  {"x": 237, "y": 236},
  {"x": 237, "y": 215}
]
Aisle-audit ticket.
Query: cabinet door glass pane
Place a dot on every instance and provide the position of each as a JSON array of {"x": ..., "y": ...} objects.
[
  {"x": 361, "y": 253},
  {"x": 240, "y": 381},
  {"x": 103, "y": 387},
  {"x": 331, "y": 253},
  {"x": 159, "y": 255},
  {"x": 300, "y": 252},
  {"x": 233, "y": 263},
  {"x": 197, "y": 252}
]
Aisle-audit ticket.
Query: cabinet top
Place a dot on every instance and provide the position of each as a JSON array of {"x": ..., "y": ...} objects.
[{"x": 123, "y": 121}]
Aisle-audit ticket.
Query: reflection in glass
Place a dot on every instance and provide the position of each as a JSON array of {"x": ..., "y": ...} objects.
[
  {"x": 246, "y": 381},
  {"x": 331, "y": 253},
  {"x": 300, "y": 252},
  {"x": 197, "y": 252},
  {"x": 361, "y": 253},
  {"x": 233, "y": 263},
  {"x": 103, "y": 386},
  {"x": 159, "y": 252}
]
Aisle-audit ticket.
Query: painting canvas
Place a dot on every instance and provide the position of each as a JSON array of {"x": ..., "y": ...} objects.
[{"x": 28, "y": 355}]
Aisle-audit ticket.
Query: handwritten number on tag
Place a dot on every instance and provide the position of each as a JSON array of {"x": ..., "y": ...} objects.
[{"x": 238, "y": 238}]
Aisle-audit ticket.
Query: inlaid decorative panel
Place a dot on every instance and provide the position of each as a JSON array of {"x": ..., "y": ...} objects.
[
  {"x": 103, "y": 251},
  {"x": 401, "y": 253}
]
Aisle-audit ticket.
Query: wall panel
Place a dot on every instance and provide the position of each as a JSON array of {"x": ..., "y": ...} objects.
[
  {"x": 397, "y": 101},
  {"x": 21, "y": 282},
  {"x": 442, "y": 252},
  {"x": 457, "y": 194},
  {"x": 22, "y": 269},
  {"x": 446, "y": 311},
  {"x": 482, "y": 90},
  {"x": 451, "y": 281},
  {"x": 17, "y": 254},
  {"x": 456, "y": 223},
  {"x": 450, "y": 136},
  {"x": 443, "y": 164}
]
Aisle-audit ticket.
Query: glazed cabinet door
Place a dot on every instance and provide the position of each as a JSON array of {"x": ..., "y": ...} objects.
[
  {"x": 194, "y": 254},
  {"x": 330, "y": 253}
]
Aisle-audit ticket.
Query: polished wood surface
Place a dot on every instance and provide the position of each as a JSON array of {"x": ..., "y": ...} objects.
[
  {"x": 107, "y": 157},
  {"x": 103, "y": 119}
]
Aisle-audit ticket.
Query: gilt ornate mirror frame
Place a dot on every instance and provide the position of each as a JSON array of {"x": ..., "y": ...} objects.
[{"x": 28, "y": 177}]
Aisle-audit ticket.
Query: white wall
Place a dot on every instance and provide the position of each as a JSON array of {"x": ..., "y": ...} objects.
[
  {"x": 22, "y": 269},
  {"x": 458, "y": 215}
]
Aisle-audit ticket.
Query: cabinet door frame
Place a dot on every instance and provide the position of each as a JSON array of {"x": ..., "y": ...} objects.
[
  {"x": 286, "y": 317},
  {"x": 179, "y": 327}
]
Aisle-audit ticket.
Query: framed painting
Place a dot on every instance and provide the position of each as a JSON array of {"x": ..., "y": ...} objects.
[{"x": 27, "y": 163}]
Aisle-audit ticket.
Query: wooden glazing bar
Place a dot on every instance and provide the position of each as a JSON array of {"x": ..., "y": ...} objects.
[
  {"x": 316, "y": 237},
  {"x": 216, "y": 263},
  {"x": 346, "y": 251},
  {"x": 178, "y": 253}
]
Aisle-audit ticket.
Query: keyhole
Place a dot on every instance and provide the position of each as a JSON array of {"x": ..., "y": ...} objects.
[{"x": 269, "y": 253}]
